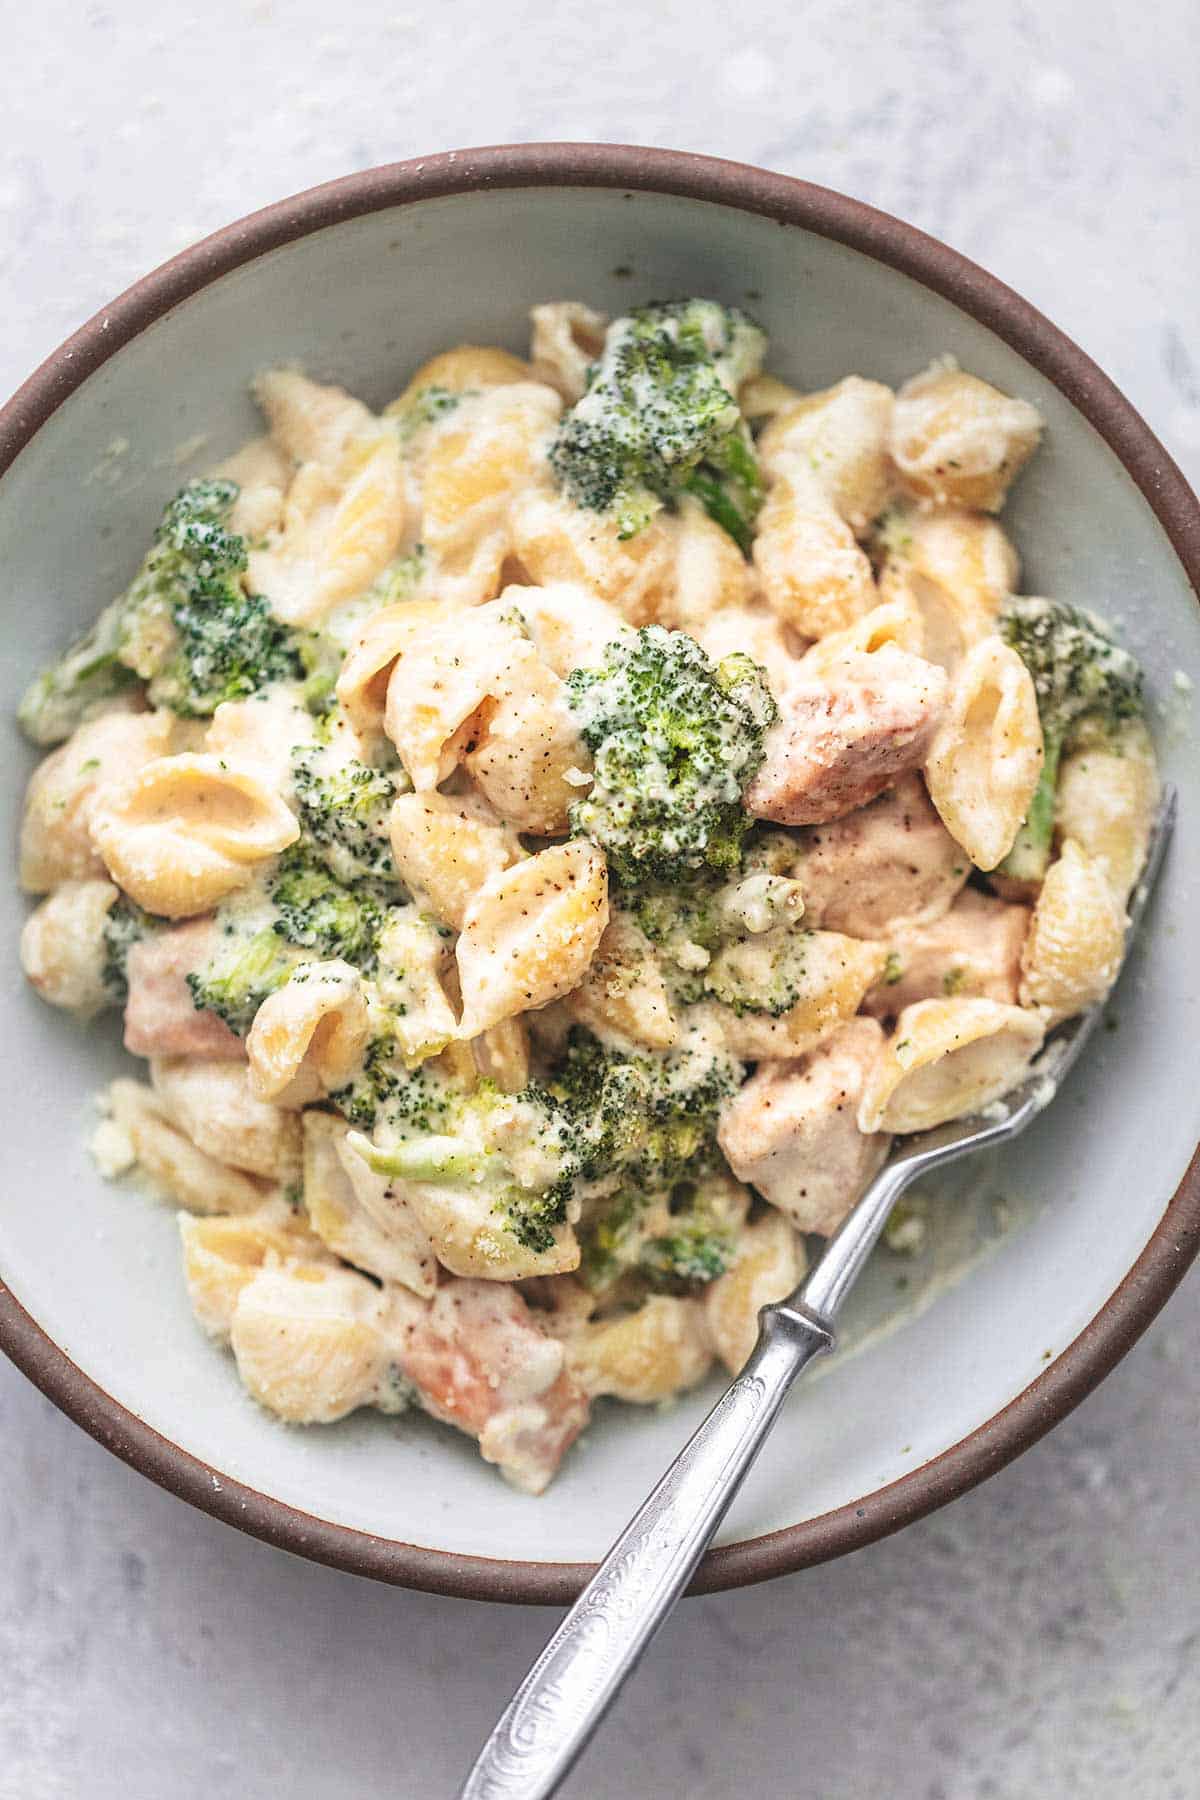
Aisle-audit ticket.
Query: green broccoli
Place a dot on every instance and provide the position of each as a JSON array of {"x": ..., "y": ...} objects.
[
  {"x": 698, "y": 1241},
  {"x": 418, "y": 1099},
  {"x": 344, "y": 809},
  {"x": 660, "y": 419},
  {"x": 676, "y": 739},
  {"x": 1078, "y": 672},
  {"x": 228, "y": 649},
  {"x": 185, "y": 624},
  {"x": 298, "y": 914},
  {"x": 125, "y": 926},
  {"x": 243, "y": 972},
  {"x": 319, "y": 913},
  {"x": 225, "y": 643},
  {"x": 689, "y": 926},
  {"x": 696, "y": 1251},
  {"x": 601, "y": 1115}
]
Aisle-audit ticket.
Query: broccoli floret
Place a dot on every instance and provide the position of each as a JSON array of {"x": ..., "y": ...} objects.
[
  {"x": 695, "y": 1252},
  {"x": 417, "y": 1100},
  {"x": 298, "y": 914},
  {"x": 698, "y": 1241},
  {"x": 243, "y": 972},
  {"x": 185, "y": 624},
  {"x": 318, "y": 913},
  {"x": 344, "y": 813},
  {"x": 228, "y": 649},
  {"x": 125, "y": 926},
  {"x": 600, "y": 1117},
  {"x": 675, "y": 739},
  {"x": 1078, "y": 672},
  {"x": 689, "y": 926},
  {"x": 660, "y": 419},
  {"x": 226, "y": 645}
]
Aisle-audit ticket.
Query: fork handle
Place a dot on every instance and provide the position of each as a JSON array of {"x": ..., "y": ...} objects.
[{"x": 562, "y": 1700}]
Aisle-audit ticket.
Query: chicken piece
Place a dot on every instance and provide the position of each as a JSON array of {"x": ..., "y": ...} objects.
[
  {"x": 479, "y": 1360},
  {"x": 974, "y": 949},
  {"x": 888, "y": 864},
  {"x": 792, "y": 1130},
  {"x": 161, "y": 1018},
  {"x": 840, "y": 741}
]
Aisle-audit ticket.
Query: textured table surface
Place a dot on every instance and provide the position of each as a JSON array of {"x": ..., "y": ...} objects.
[{"x": 1041, "y": 1637}]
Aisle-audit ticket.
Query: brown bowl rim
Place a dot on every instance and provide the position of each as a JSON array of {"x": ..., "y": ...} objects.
[{"x": 1174, "y": 1243}]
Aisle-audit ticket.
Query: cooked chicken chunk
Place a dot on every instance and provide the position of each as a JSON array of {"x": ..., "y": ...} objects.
[
  {"x": 479, "y": 1360},
  {"x": 161, "y": 1018},
  {"x": 974, "y": 949},
  {"x": 893, "y": 863},
  {"x": 792, "y": 1131},
  {"x": 840, "y": 741}
]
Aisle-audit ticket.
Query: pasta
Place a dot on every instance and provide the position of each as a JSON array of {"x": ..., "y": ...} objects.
[
  {"x": 187, "y": 830},
  {"x": 1076, "y": 937},
  {"x": 986, "y": 756},
  {"x": 56, "y": 829},
  {"x": 842, "y": 435},
  {"x": 63, "y": 948},
  {"x": 946, "y": 1058},
  {"x": 446, "y": 846},
  {"x": 357, "y": 1215},
  {"x": 770, "y": 1265},
  {"x": 566, "y": 339},
  {"x": 308, "y": 1038},
  {"x": 954, "y": 569},
  {"x": 221, "y": 1256},
  {"x": 1107, "y": 793},
  {"x": 955, "y": 439},
  {"x": 549, "y": 836},
  {"x": 530, "y": 934},
  {"x": 214, "y": 1104},
  {"x": 343, "y": 512}
]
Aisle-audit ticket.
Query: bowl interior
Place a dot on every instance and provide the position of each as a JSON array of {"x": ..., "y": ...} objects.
[{"x": 1025, "y": 1249}]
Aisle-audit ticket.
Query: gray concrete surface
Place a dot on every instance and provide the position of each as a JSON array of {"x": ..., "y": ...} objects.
[{"x": 1039, "y": 1639}]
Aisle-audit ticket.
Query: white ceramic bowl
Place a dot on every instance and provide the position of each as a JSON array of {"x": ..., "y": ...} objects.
[{"x": 1018, "y": 1308}]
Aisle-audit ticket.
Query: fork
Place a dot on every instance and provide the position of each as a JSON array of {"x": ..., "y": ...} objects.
[{"x": 553, "y": 1714}]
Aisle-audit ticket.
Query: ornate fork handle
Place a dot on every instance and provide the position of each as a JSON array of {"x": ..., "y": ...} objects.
[{"x": 569, "y": 1689}]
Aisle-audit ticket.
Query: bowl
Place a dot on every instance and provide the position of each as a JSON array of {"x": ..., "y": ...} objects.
[{"x": 1042, "y": 1268}]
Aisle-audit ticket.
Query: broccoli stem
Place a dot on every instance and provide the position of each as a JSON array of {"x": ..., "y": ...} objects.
[
  {"x": 1029, "y": 857},
  {"x": 721, "y": 508},
  {"x": 433, "y": 1159}
]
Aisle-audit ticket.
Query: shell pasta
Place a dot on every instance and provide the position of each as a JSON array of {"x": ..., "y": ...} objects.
[{"x": 548, "y": 837}]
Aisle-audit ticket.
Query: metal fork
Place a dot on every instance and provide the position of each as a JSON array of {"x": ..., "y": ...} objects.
[{"x": 570, "y": 1687}]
